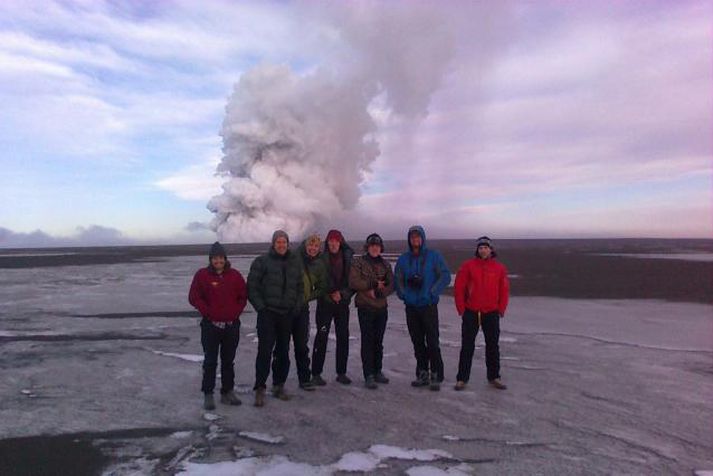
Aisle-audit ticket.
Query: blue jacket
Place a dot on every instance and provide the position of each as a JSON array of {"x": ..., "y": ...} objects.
[{"x": 429, "y": 264}]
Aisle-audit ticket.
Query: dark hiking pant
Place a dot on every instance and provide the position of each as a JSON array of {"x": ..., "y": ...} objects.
[
  {"x": 491, "y": 330},
  {"x": 273, "y": 333},
  {"x": 422, "y": 325},
  {"x": 217, "y": 341},
  {"x": 300, "y": 337},
  {"x": 339, "y": 312},
  {"x": 372, "y": 323}
]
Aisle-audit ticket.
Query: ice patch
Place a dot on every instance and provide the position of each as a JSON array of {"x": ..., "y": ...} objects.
[
  {"x": 188, "y": 357},
  {"x": 460, "y": 470},
  {"x": 703, "y": 472},
  {"x": 509, "y": 340},
  {"x": 262, "y": 437},
  {"x": 269, "y": 466},
  {"x": 705, "y": 257},
  {"x": 367, "y": 461},
  {"x": 211, "y": 417},
  {"x": 179, "y": 435},
  {"x": 29, "y": 333},
  {"x": 26, "y": 392},
  {"x": 357, "y": 461},
  {"x": 385, "y": 452},
  {"x": 450, "y": 438}
]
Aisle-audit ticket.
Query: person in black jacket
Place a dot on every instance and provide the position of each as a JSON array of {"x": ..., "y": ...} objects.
[
  {"x": 334, "y": 305},
  {"x": 275, "y": 290}
]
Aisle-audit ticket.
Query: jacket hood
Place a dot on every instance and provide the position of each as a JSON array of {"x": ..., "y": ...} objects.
[
  {"x": 343, "y": 246},
  {"x": 419, "y": 229}
]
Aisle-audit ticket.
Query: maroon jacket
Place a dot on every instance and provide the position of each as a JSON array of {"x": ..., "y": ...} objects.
[{"x": 218, "y": 297}]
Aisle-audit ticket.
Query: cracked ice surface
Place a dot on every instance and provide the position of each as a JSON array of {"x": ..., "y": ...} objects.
[{"x": 106, "y": 358}]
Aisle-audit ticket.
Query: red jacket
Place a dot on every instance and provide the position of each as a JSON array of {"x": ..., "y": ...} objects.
[
  {"x": 218, "y": 297},
  {"x": 482, "y": 285}
]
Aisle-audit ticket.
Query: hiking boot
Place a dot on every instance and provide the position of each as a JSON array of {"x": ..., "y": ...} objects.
[
  {"x": 278, "y": 391},
  {"x": 208, "y": 401},
  {"x": 435, "y": 383},
  {"x": 229, "y": 398},
  {"x": 381, "y": 378},
  {"x": 460, "y": 385},
  {"x": 421, "y": 380},
  {"x": 370, "y": 383},
  {"x": 308, "y": 386},
  {"x": 260, "y": 397},
  {"x": 496, "y": 383},
  {"x": 343, "y": 379},
  {"x": 318, "y": 381}
]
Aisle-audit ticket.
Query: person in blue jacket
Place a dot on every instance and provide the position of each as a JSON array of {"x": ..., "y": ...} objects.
[{"x": 421, "y": 275}]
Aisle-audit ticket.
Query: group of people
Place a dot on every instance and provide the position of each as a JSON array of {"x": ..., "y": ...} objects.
[{"x": 283, "y": 283}]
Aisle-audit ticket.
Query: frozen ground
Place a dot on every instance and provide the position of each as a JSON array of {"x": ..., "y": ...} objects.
[{"x": 101, "y": 371}]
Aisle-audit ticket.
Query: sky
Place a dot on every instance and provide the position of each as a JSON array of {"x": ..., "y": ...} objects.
[{"x": 184, "y": 121}]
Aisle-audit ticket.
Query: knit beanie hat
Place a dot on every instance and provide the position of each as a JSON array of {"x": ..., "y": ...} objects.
[
  {"x": 335, "y": 235},
  {"x": 279, "y": 234},
  {"x": 484, "y": 241},
  {"x": 217, "y": 250},
  {"x": 374, "y": 239}
]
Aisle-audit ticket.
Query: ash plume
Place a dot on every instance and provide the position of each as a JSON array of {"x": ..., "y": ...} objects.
[{"x": 297, "y": 146}]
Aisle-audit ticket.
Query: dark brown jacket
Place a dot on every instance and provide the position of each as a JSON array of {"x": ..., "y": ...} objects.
[{"x": 363, "y": 275}]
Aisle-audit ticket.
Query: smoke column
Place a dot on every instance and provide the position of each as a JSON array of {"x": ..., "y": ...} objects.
[{"x": 296, "y": 147}]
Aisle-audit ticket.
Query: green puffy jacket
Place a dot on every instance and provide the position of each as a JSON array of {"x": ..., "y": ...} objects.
[
  {"x": 275, "y": 282},
  {"x": 314, "y": 275}
]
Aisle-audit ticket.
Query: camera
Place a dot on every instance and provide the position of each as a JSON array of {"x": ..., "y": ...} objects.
[{"x": 415, "y": 281}]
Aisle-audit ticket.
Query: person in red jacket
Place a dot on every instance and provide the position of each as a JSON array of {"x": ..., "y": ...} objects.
[
  {"x": 481, "y": 295},
  {"x": 219, "y": 293}
]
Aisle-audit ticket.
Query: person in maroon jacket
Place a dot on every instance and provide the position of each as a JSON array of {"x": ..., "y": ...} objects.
[
  {"x": 481, "y": 295},
  {"x": 219, "y": 293}
]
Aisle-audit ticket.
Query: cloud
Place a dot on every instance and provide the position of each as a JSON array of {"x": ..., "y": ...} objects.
[{"x": 94, "y": 235}]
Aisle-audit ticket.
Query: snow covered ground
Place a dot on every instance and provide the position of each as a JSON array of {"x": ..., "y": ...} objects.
[{"x": 101, "y": 373}]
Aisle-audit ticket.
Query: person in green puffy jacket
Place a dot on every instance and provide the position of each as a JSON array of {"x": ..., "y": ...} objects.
[
  {"x": 276, "y": 291},
  {"x": 314, "y": 277}
]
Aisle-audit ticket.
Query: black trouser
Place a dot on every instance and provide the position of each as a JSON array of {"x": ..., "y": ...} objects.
[
  {"x": 300, "y": 337},
  {"x": 422, "y": 325},
  {"x": 491, "y": 330},
  {"x": 372, "y": 323},
  {"x": 224, "y": 341},
  {"x": 273, "y": 332},
  {"x": 326, "y": 311}
]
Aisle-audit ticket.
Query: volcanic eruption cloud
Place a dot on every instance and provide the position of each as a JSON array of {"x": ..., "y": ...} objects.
[{"x": 297, "y": 146}]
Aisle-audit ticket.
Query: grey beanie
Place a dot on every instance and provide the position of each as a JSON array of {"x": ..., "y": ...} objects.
[
  {"x": 217, "y": 250},
  {"x": 484, "y": 241},
  {"x": 279, "y": 234}
]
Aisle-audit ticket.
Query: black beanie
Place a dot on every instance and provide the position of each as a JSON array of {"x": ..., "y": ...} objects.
[
  {"x": 374, "y": 239},
  {"x": 217, "y": 250}
]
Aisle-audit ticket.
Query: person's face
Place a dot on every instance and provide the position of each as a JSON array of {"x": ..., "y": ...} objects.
[
  {"x": 374, "y": 250},
  {"x": 415, "y": 240},
  {"x": 484, "y": 251},
  {"x": 312, "y": 248},
  {"x": 218, "y": 263},
  {"x": 333, "y": 246},
  {"x": 281, "y": 245}
]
